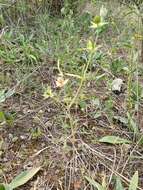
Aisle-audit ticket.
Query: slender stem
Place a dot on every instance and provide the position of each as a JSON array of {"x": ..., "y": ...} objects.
[{"x": 81, "y": 83}]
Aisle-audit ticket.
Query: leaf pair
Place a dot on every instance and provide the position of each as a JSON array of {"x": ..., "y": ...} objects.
[
  {"x": 133, "y": 183},
  {"x": 132, "y": 186}
]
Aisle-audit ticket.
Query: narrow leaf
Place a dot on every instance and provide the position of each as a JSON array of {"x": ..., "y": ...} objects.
[
  {"x": 134, "y": 181},
  {"x": 132, "y": 123},
  {"x": 2, "y": 117},
  {"x": 2, "y": 96},
  {"x": 114, "y": 140},
  {"x": 94, "y": 183},
  {"x": 23, "y": 177},
  {"x": 9, "y": 93}
]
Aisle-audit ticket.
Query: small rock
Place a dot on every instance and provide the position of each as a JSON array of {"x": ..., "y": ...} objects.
[
  {"x": 23, "y": 137},
  {"x": 117, "y": 86}
]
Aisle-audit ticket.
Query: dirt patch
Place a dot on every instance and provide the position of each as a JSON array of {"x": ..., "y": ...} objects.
[{"x": 37, "y": 137}]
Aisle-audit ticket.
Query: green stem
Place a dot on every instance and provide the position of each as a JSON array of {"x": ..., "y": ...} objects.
[{"x": 81, "y": 83}]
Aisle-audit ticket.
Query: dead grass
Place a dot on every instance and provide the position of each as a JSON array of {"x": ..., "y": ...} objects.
[{"x": 64, "y": 163}]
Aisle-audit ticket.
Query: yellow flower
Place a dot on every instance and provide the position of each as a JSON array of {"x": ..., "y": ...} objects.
[
  {"x": 60, "y": 82},
  {"x": 48, "y": 93},
  {"x": 94, "y": 25}
]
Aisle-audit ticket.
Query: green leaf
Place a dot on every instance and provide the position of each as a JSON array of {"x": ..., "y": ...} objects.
[
  {"x": 132, "y": 123},
  {"x": 2, "y": 187},
  {"x": 114, "y": 140},
  {"x": 122, "y": 120},
  {"x": 9, "y": 118},
  {"x": 89, "y": 45},
  {"x": 9, "y": 93},
  {"x": 82, "y": 105},
  {"x": 134, "y": 181},
  {"x": 94, "y": 183},
  {"x": 2, "y": 96},
  {"x": 100, "y": 76},
  {"x": 2, "y": 117},
  {"x": 23, "y": 177},
  {"x": 48, "y": 93},
  {"x": 33, "y": 57},
  {"x": 119, "y": 185},
  {"x": 5, "y": 187}
]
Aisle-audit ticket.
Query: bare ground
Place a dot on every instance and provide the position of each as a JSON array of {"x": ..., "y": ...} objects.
[{"x": 65, "y": 161}]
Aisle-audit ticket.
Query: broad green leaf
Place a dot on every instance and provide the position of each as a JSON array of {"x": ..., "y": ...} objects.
[
  {"x": 5, "y": 187},
  {"x": 119, "y": 185},
  {"x": 94, "y": 183},
  {"x": 23, "y": 177},
  {"x": 132, "y": 123},
  {"x": 134, "y": 181},
  {"x": 2, "y": 187},
  {"x": 114, "y": 140}
]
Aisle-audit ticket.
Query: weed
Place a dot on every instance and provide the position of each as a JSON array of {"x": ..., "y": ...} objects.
[{"x": 77, "y": 89}]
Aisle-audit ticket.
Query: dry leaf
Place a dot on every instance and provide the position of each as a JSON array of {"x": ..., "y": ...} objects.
[{"x": 60, "y": 82}]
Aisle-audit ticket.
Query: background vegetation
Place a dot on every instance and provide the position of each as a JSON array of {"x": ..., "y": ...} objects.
[{"x": 71, "y": 94}]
